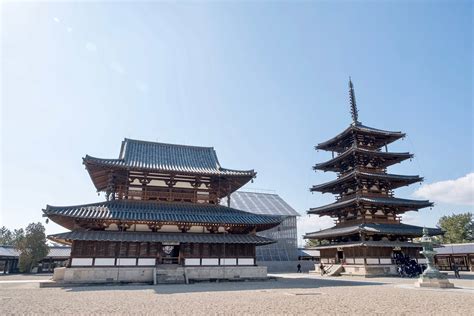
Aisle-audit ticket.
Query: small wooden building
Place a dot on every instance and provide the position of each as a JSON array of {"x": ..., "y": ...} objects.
[
  {"x": 462, "y": 254},
  {"x": 162, "y": 208},
  {"x": 8, "y": 259}
]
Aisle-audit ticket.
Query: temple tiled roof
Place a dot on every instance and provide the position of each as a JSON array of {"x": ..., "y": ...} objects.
[
  {"x": 159, "y": 212},
  {"x": 369, "y": 243},
  {"x": 455, "y": 249},
  {"x": 395, "y": 180},
  {"x": 380, "y": 201},
  {"x": 160, "y": 237},
  {"x": 386, "y": 158},
  {"x": 384, "y": 137},
  {"x": 8, "y": 252},
  {"x": 373, "y": 228},
  {"x": 144, "y": 155},
  {"x": 260, "y": 203}
]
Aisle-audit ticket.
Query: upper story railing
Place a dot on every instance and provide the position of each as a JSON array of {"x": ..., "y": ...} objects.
[{"x": 163, "y": 194}]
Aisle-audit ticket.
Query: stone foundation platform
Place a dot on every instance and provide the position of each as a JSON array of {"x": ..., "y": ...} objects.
[
  {"x": 162, "y": 275},
  {"x": 365, "y": 270},
  {"x": 104, "y": 275}
]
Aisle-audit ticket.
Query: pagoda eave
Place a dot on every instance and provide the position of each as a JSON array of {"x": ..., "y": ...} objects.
[
  {"x": 395, "y": 229},
  {"x": 383, "y": 159},
  {"x": 340, "y": 184},
  {"x": 375, "y": 244},
  {"x": 392, "y": 204},
  {"x": 380, "y": 137}
]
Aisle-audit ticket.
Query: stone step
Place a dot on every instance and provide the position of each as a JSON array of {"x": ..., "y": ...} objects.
[{"x": 170, "y": 274}]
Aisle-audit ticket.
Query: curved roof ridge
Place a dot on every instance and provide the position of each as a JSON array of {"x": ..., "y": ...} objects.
[{"x": 168, "y": 144}]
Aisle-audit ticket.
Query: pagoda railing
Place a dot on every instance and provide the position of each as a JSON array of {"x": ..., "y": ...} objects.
[
  {"x": 124, "y": 192},
  {"x": 364, "y": 193}
]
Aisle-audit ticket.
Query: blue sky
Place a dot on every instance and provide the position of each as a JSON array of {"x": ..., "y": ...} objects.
[{"x": 262, "y": 82}]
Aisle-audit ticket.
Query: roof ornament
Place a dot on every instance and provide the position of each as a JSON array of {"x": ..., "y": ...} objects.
[{"x": 352, "y": 100}]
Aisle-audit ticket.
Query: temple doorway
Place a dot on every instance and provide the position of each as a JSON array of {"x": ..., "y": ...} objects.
[
  {"x": 170, "y": 254},
  {"x": 340, "y": 256}
]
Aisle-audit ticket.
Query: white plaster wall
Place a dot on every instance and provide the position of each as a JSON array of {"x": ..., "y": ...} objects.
[
  {"x": 112, "y": 227},
  {"x": 372, "y": 261},
  {"x": 196, "y": 229},
  {"x": 210, "y": 261},
  {"x": 104, "y": 261},
  {"x": 245, "y": 261},
  {"x": 359, "y": 260},
  {"x": 422, "y": 260},
  {"x": 140, "y": 228},
  {"x": 385, "y": 261},
  {"x": 229, "y": 261},
  {"x": 192, "y": 262},
  {"x": 81, "y": 262},
  {"x": 169, "y": 229},
  {"x": 146, "y": 261},
  {"x": 126, "y": 262}
]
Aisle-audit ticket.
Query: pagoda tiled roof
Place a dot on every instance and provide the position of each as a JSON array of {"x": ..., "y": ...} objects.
[
  {"x": 385, "y": 137},
  {"x": 386, "y": 158},
  {"x": 116, "y": 236},
  {"x": 159, "y": 212},
  {"x": 403, "y": 204},
  {"x": 373, "y": 228},
  {"x": 395, "y": 179},
  {"x": 371, "y": 243},
  {"x": 163, "y": 157}
]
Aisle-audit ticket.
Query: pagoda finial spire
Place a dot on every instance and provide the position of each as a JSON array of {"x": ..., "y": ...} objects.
[{"x": 352, "y": 100}]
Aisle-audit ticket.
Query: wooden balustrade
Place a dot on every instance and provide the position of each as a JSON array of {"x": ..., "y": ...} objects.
[{"x": 123, "y": 192}]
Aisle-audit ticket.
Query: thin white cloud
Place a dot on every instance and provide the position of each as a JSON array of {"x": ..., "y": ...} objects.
[
  {"x": 307, "y": 224},
  {"x": 117, "y": 67},
  {"x": 91, "y": 47},
  {"x": 412, "y": 218},
  {"x": 142, "y": 86},
  {"x": 459, "y": 191},
  {"x": 69, "y": 29},
  {"x": 56, "y": 19}
]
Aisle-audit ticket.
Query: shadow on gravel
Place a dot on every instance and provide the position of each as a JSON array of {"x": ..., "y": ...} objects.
[{"x": 278, "y": 283}]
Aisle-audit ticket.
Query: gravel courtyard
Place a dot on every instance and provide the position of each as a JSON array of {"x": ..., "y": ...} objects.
[{"x": 290, "y": 294}]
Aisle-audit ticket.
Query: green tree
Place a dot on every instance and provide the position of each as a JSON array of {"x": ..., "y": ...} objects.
[
  {"x": 6, "y": 236},
  {"x": 457, "y": 228},
  {"x": 310, "y": 243},
  {"x": 32, "y": 246},
  {"x": 9, "y": 238}
]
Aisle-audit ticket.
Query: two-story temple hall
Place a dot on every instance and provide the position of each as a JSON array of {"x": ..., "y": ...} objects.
[{"x": 162, "y": 219}]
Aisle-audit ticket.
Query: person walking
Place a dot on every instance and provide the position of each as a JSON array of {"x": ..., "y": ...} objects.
[
  {"x": 321, "y": 269},
  {"x": 299, "y": 268},
  {"x": 456, "y": 270}
]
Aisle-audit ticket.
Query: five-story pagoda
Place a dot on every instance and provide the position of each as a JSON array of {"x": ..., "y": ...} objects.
[
  {"x": 161, "y": 211},
  {"x": 368, "y": 234}
]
